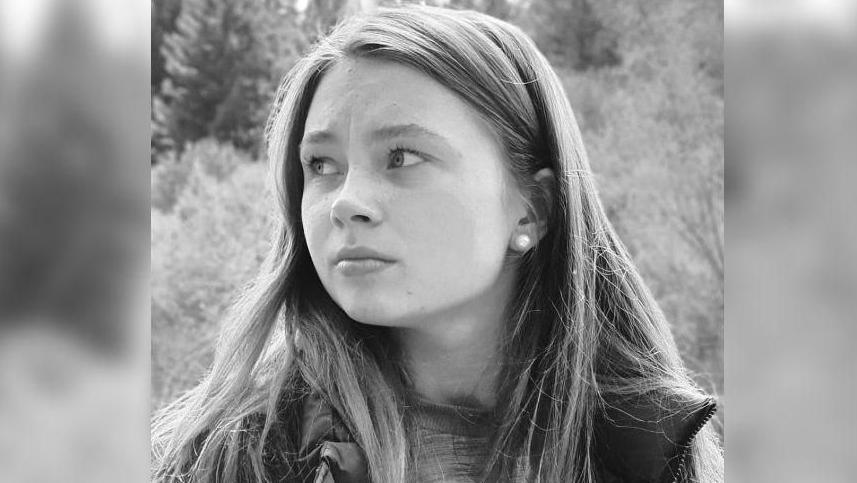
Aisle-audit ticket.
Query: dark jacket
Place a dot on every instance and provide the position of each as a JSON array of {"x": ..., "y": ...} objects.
[{"x": 635, "y": 442}]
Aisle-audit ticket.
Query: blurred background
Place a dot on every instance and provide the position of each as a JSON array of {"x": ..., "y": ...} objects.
[
  {"x": 74, "y": 251},
  {"x": 645, "y": 79},
  {"x": 791, "y": 291},
  {"x": 88, "y": 97}
]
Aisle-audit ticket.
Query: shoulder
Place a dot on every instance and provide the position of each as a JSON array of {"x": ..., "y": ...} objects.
[
  {"x": 636, "y": 439},
  {"x": 647, "y": 440}
]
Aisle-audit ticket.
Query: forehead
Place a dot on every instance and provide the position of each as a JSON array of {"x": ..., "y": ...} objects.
[{"x": 365, "y": 93}]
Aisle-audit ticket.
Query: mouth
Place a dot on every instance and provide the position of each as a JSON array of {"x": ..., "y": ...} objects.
[
  {"x": 352, "y": 261},
  {"x": 361, "y": 266}
]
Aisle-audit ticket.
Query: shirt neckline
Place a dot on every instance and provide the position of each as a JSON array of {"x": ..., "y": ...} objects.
[{"x": 454, "y": 419}]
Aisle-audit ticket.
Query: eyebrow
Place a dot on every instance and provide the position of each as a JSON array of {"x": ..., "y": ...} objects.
[
  {"x": 318, "y": 137},
  {"x": 382, "y": 134},
  {"x": 399, "y": 130}
]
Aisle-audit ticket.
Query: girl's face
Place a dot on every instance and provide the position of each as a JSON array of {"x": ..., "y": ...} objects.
[{"x": 407, "y": 208}]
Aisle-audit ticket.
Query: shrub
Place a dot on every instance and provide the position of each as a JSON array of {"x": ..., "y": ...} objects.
[{"x": 209, "y": 241}]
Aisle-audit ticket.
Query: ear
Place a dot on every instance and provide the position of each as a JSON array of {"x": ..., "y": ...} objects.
[{"x": 535, "y": 223}]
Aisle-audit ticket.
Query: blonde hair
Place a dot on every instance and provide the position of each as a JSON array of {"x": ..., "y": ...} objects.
[{"x": 581, "y": 330}]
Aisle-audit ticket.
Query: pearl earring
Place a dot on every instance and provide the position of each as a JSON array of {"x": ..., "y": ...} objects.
[{"x": 522, "y": 242}]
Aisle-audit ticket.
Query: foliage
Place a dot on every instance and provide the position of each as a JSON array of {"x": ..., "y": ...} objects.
[
  {"x": 321, "y": 15},
  {"x": 502, "y": 9},
  {"x": 164, "y": 15},
  {"x": 572, "y": 34},
  {"x": 653, "y": 128},
  {"x": 222, "y": 64},
  {"x": 209, "y": 235},
  {"x": 170, "y": 177}
]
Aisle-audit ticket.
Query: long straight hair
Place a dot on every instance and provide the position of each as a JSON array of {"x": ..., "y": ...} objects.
[{"x": 582, "y": 327}]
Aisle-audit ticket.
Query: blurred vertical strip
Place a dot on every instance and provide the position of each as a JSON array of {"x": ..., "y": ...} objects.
[
  {"x": 791, "y": 167},
  {"x": 74, "y": 238}
]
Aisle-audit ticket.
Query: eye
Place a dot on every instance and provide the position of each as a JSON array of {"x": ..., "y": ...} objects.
[
  {"x": 404, "y": 157},
  {"x": 321, "y": 166}
]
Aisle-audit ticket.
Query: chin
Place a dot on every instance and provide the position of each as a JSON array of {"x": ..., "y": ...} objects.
[{"x": 368, "y": 311}]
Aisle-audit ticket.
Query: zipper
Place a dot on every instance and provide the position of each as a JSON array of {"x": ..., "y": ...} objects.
[
  {"x": 322, "y": 471},
  {"x": 701, "y": 424}
]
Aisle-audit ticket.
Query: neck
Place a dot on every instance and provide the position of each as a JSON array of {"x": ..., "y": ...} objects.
[
  {"x": 454, "y": 358},
  {"x": 459, "y": 367}
]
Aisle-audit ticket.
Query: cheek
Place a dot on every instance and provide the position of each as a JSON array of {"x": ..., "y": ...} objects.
[
  {"x": 315, "y": 217},
  {"x": 440, "y": 224},
  {"x": 457, "y": 231}
]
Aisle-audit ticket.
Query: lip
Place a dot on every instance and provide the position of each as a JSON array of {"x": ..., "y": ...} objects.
[
  {"x": 361, "y": 266},
  {"x": 351, "y": 261},
  {"x": 359, "y": 253}
]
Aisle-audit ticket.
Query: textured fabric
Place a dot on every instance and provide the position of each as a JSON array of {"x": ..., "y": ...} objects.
[
  {"x": 328, "y": 452},
  {"x": 636, "y": 441},
  {"x": 450, "y": 443}
]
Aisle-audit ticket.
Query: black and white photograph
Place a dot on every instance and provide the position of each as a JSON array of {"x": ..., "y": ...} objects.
[
  {"x": 383, "y": 241},
  {"x": 449, "y": 241}
]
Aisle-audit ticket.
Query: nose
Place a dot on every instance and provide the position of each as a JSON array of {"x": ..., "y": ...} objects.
[{"x": 356, "y": 203}]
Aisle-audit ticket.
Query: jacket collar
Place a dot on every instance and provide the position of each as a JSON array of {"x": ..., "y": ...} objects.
[
  {"x": 636, "y": 439},
  {"x": 646, "y": 440}
]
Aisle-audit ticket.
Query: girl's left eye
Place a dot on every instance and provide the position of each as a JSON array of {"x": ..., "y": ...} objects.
[{"x": 402, "y": 158}]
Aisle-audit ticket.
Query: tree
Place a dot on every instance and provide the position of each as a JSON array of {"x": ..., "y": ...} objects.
[
  {"x": 164, "y": 16},
  {"x": 222, "y": 65},
  {"x": 501, "y": 9},
  {"x": 320, "y": 15},
  {"x": 571, "y": 33}
]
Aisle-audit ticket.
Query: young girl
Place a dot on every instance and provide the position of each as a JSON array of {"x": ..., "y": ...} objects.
[{"x": 445, "y": 299}]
